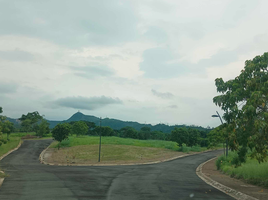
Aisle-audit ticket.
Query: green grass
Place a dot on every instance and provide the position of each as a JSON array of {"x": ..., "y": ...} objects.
[
  {"x": 92, "y": 140},
  {"x": 251, "y": 171},
  {"x": 11, "y": 144}
]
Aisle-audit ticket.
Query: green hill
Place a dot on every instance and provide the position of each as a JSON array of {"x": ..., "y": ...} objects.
[
  {"x": 115, "y": 123},
  {"x": 118, "y": 124}
]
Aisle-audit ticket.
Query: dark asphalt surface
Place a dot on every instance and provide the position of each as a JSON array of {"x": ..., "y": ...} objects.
[{"x": 170, "y": 180}]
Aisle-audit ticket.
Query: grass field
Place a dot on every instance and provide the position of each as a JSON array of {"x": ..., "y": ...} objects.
[
  {"x": 94, "y": 140},
  {"x": 110, "y": 154},
  {"x": 251, "y": 171}
]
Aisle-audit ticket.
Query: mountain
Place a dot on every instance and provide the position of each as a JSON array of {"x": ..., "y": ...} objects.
[
  {"x": 118, "y": 124},
  {"x": 115, "y": 123}
]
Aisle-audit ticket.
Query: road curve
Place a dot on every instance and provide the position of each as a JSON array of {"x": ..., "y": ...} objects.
[{"x": 28, "y": 179}]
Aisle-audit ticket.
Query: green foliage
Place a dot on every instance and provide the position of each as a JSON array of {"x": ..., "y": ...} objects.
[
  {"x": 180, "y": 135},
  {"x": 104, "y": 130},
  {"x": 43, "y": 128},
  {"x": 61, "y": 132},
  {"x": 246, "y": 126},
  {"x": 91, "y": 140},
  {"x": 216, "y": 136},
  {"x": 79, "y": 128},
  {"x": 29, "y": 120},
  {"x": 7, "y": 146},
  {"x": 5, "y": 127},
  {"x": 128, "y": 132},
  {"x": 251, "y": 170},
  {"x": 194, "y": 137}
]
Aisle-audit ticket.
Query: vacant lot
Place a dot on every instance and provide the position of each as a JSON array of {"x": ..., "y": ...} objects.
[
  {"x": 91, "y": 140},
  {"x": 110, "y": 154},
  {"x": 115, "y": 150}
]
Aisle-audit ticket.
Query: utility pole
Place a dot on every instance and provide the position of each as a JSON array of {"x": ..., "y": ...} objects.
[
  {"x": 100, "y": 141},
  {"x": 226, "y": 138}
]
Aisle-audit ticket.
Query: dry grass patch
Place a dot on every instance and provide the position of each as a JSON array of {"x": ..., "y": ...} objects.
[{"x": 110, "y": 154}]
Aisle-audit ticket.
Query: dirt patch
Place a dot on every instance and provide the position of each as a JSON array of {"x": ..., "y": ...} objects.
[
  {"x": 29, "y": 137},
  {"x": 111, "y": 154},
  {"x": 210, "y": 170}
]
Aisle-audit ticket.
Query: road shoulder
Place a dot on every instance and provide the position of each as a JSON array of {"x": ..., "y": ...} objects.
[{"x": 238, "y": 189}]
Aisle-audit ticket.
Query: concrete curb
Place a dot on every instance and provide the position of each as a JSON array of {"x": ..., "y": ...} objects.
[
  {"x": 1, "y": 179},
  {"x": 231, "y": 192},
  {"x": 3, "y": 156},
  {"x": 41, "y": 158}
]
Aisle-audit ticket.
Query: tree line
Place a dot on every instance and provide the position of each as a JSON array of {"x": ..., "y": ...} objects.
[
  {"x": 190, "y": 137},
  {"x": 34, "y": 122}
]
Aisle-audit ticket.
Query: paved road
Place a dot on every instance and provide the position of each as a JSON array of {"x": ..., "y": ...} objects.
[{"x": 31, "y": 180}]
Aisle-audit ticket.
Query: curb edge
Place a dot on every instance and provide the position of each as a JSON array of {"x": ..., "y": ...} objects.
[
  {"x": 42, "y": 161},
  {"x": 3, "y": 156},
  {"x": 229, "y": 191}
]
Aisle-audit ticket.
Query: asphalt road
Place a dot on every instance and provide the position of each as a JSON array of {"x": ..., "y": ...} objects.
[{"x": 30, "y": 180}]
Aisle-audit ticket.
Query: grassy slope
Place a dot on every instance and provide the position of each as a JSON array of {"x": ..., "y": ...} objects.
[
  {"x": 93, "y": 140},
  {"x": 13, "y": 143},
  {"x": 251, "y": 171}
]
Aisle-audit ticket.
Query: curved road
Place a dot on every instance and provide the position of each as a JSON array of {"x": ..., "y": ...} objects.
[{"x": 170, "y": 180}]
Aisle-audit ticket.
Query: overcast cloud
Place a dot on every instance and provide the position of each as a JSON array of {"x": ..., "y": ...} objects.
[
  {"x": 85, "y": 103},
  {"x": 137, "y": 60}
]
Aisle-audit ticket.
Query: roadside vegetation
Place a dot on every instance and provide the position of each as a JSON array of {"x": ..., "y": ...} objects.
[
  {"x": 245, "y": 102},
  {"x": 251, "y": 171}
]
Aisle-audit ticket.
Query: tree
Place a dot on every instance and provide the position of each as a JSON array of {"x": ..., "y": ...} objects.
[
  {"x": 216, "y": 136},
  {"x": 5, "y": 127},
  {"x": 27, "y": 121},
  {"x": 128, "y": 132},
  {"x": 79, "y": 128},
  {"x": 244, "y": 100},
  {"x": 61, "y": 132},
  {"x": 145, "y": 133},
  {"x": 43, "y": 128},
  {"x": 194, "y": 137},
  {"x": 180, "y": 135},
  {"x": 105, "y": 131}
]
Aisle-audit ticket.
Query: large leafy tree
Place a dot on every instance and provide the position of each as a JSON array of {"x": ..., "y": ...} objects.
[
  {"x": 42, "y": 128},
  {"x": 79, "y": 128},
  {"x": 180, "y": 135},
  {"x": 61, "y": 132},
  {"x": 244, "y": 100},
  {"x": 5, "y": 127},
  {"x": 194, "y": 137},
  {"x": 29, "y": 120}
]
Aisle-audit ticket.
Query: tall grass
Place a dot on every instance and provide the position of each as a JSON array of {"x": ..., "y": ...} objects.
[
  {"x": 91, "y": 140},
  {"x": 252, "y": 171}
]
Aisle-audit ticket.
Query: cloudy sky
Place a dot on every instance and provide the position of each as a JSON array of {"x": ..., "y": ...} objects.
[{"x": 143, "y": 60}]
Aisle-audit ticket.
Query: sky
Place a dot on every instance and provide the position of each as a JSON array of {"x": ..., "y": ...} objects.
[{"x": 150, "y": 61}]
